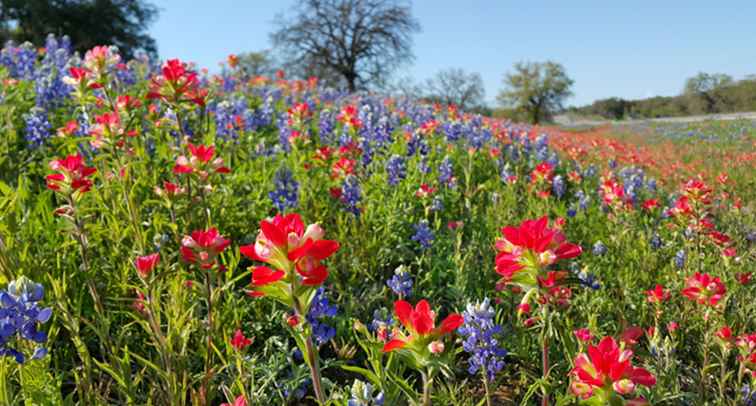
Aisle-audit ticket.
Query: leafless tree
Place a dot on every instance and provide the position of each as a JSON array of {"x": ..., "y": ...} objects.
[
  {"x": 354, "y": 42},
  {"x": 455, "y": 86}
]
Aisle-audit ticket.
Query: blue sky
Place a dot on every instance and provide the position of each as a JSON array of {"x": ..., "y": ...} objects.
[{"x": 630, "y": 49}]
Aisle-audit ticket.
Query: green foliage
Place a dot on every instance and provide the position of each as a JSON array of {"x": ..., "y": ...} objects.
[
  {"x": 537, "y": 88},
  {"x": 88, "y": 23}
]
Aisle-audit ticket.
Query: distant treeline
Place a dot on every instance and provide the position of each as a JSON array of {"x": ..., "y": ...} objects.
[{"x": 703, "y": 94}]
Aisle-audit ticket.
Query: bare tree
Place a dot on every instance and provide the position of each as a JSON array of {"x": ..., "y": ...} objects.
[
  {"x": 455, "y": 86},
  {"x": 353, "y": 41},
  {"x": 538, "y": 89}
]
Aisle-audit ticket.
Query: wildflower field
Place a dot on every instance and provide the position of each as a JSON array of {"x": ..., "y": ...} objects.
[{"x": 173, "y": 237}]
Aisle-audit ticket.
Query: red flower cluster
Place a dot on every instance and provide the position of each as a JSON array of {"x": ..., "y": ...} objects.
[
  {"x": 201, "y": 162},
  {"x": 420, "y": 324},
  {"x": 530, "y": 247},
  {"x": 177, "y": 84},
  {"x": 285, "y": 244},
  {"x": 605, "y": 370},
  {"x": 348, "y": 116},
  {"x": 202, "y": 247},
  {"x": 72, "y": 177},
  {"x": 704, "y": 289},
  {"x": 239, "y": 341},
  {"x": 658, "y": 294},
  {"x": 746, "y": 345},
  {"x": 146, "y": 264}
]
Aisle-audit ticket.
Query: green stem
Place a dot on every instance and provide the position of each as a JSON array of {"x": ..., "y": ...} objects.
[
  {"x": 312, "y": 359},
  {"x": 427, "y": 384},
  {"x": 486, "y": 387},
  {"x": 209, "y": 355},
  {"x": 545, "y": 353}
]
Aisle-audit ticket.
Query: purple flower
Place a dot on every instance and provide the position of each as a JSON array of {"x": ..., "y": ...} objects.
[
  {"x": 350, "y": 194},
  {"x": 423, "y": 234},
  {"x": 395, "y": 169},
  {"x": 286, "y": 192},
  {"x": 480, "y": 331},
  {"x": 319, "y": 310},
  {"x": 599, "y": 248},
  {"x": 446, "y": 173},
  {"x": 20, "y": 316},
  {"x": 37, "y": 127},
  {"x": 401, "y": 282}
]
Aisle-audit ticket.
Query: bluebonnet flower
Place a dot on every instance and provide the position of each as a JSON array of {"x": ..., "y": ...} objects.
[
  {"x": 446, "y": 172},
  {"x": 38, "y": 128},
  {"x": 48, "y": 77},
  {"x": 588, "y": 279},
  {"x": 362, "y": 395},
  {"x": 571, "y": 211},
  {"x": 558, "y": 186},
  {"x": 751, "y": 236},
  {"x": 480, "y": 342},
  {"x": 423, "y": 166},
  {"x": 367, "y": 152},
  {"x": 401, "y": 282},
  {"x": 423, "y": 234},
  {"x": 395, "y": 169},
  {"x": 382, "y": 321},
  {"x": 20, "y": 315},
  {"x": 749, "y": 398},
  {"x": 286, "y": 194},
  {"x": 351, "y": 194},
  {"x": 437, "y": 204},
  {"x": 227, "y": 118},
  {"x": 319, "y": 310},
  {"x": 612, "y": 164},
  {"x": 680, "y": 258},
  {"x": 583, "y": 199},
  {"x": 655, "y": 241},
  {"x": 125, "y": 75},
  {"x": 599, "y": 248},
  {"x": 19, "y": 60},
  {"x": 590, "y": 171}
]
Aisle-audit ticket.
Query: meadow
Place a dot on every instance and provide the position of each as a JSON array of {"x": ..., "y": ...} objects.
[{"x": 173, "y": 237}]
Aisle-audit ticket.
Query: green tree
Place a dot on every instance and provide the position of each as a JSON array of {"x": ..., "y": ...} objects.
[
  {"x": 537, "y": 88},
  {"x": 259, "y": 63},
  {"x": 703, "y": 92},
  {"x": 88, "y": 23}
]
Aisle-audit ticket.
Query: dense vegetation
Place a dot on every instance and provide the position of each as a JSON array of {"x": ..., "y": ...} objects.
[
  {"x": 173, "y": 238},
  {"x": 702, "y": 95}
]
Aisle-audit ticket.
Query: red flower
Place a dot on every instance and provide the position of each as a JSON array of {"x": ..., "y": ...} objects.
[
  {"x": 532, "y": 245},
  {"x": 72, "y": 176},
  {"x": 425, "y": 190},
  {"x": 239, "y": 401},
  {"x": 201, "y": 161},
  {"x": 583, "y": 334},
  {"x": 239, "y": 342},
  {"x": 658, "y": 294},
  {"x": 650, "y": 204},
  {"x": 542, "y": 173},
  {"x": 743, "y": 277},
  {"x": 146, "y": 264},
  {"x": 724, "y": 333},
  {"x": 704, "y": 289},
  {"x": 607, "y": 369},
  {"x": 202, "y": 247},
  {"x": 177, "y": 84},
  {"x": 420, "y": 324},
  {"x": 285, "y": 244}
]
